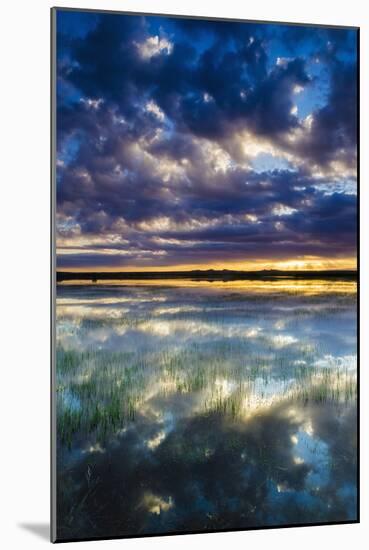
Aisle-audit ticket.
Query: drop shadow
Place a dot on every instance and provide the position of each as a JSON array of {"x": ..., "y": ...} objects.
[{"x": 42, "y": 530}]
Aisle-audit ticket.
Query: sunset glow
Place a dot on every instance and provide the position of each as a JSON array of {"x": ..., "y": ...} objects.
[{"x": 303, "y": 264}]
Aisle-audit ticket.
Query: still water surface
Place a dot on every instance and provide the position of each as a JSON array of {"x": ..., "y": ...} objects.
[{"x": 194, "y": 406}]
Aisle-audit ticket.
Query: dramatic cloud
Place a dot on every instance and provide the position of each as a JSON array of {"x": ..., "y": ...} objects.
[{"x": 190, "y": 142}]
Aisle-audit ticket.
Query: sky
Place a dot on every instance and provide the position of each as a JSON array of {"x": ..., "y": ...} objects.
[{"x": 197, "y": 144}]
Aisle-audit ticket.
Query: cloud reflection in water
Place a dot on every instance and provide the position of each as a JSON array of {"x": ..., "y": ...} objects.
[{"x": 220, "y": 409}]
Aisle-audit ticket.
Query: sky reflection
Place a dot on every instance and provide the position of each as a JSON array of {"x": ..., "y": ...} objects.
[{"x": 249, "y": 398}]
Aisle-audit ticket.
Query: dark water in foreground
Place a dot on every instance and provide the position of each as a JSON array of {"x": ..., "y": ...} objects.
[{"x": 205, "y": 406}]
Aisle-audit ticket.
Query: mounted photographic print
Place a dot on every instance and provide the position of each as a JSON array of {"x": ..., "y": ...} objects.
[{"x": 204, "y": 203}]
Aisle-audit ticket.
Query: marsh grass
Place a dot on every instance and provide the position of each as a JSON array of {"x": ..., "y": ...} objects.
[
  {"x": 99, "y": 392},
  {"x": 181, "y": 342}
]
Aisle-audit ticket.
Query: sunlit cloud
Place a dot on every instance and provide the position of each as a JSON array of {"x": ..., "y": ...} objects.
[
  {"x": 92, "y": 103},
  {"x": 152, "y": 107},
  {"x": 154, "y": 45},
  {"x": 283, "y": 210}
]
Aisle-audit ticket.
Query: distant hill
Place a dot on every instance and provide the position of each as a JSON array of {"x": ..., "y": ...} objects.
[{"x": 208, "y": 275}]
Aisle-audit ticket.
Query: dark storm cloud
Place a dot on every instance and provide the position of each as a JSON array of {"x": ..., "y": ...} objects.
[
  {"x": 151, "y": 115},
  {"x": 107, "y": 64},
  {"x": 101, "y": 61},
  {"x": 333, "y": 134}
]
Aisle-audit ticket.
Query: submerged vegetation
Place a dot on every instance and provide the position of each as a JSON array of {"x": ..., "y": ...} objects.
[{"x": 99, "y": 391}]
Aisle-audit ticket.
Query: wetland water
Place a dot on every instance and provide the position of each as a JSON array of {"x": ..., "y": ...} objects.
[{"x": 194, "y": 406}]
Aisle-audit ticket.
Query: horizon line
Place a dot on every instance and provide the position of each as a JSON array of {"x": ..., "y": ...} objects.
[{"x": 76, "y": 271}]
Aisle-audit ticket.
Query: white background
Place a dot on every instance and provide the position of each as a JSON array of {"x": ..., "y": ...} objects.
[{"x": 24, "y": 273}]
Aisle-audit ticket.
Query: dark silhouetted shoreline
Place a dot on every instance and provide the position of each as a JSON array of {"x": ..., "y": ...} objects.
[{"x": 208, "y": 275}]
